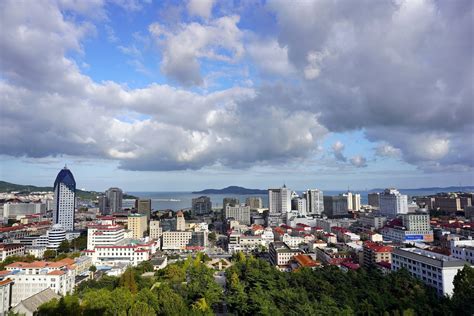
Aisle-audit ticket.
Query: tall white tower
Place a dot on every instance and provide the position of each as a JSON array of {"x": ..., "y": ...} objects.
[
  {"x": 314, "y": 202},
  {"x": 279, "y": 200},
  {"x": 64, "y": 199}
]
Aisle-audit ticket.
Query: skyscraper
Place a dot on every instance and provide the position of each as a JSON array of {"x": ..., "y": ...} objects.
[
  {"x": 279, "y": 204},
  {"x": 314, "y": 202},
  {"x": 65, "y": 199},
  {"x": 114, "y": 199},
  {"x": 144, "y": 207},
  {"x": 356, "y": 202},
  {"x": 202, "y": 205},
  {"x": 254, "y": 202},
  {"x": 392, "y": 203}
]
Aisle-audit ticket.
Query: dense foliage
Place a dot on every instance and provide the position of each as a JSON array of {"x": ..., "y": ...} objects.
[{"x": 255, "y": 288}]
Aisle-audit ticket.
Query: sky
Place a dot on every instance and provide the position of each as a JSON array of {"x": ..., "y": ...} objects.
[{"x": 186, "y": 95}]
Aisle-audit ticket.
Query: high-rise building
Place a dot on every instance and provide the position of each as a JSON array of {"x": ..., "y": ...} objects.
[
  {"x": 180, "y": 221},
  {"x": 138, "y": 225},
  {"x": 144, "y": 207},
  {"x": 356, "y": 202},
  {"x": 114, "y": 199},
  {"x": 230, "y": 201},
  {"x": 299, "y": 204},
  {"x": 374, "y": 199},
  {"x": 335, "y": 206},
  {"x": 155, "y": 230},
  {"x": 314, "y": 202},
  {"x": 65, "y": 199},
  {"x": 201, "y": 205},
  {"x": 392, "y": 203},
  {"x": 103, "y": 205},
  {"x": 240, "y": 213},
  {"x": 348, "y": 195},
  {"x": 254, "y": 202},
  {"x": 279, "y": 201}
]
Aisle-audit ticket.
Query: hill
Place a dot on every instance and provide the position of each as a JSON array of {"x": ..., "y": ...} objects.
[
  {"x": 232, "y": 190},
  {"x": 82, "y": 194}
]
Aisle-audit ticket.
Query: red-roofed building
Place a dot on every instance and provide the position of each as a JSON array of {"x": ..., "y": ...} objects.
[
  {"x": 376, "y": 252},
  {"x": 304, "y": 261}
]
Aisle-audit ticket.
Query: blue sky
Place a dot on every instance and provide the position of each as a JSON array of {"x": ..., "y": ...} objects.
[{"x": 177, "y": 96}]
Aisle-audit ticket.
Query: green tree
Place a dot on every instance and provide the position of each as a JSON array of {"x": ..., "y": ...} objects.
[
  {"x": 463, "y": 296},
  {"x": 92, "y": 268},
  {"x": 97, "y": 302},
  {"x": 49, "y": 254},
  {"x": 141, "y": 309},
  {"x": 212, "y": 237},
  {"x": 64, "y": 246},
  {"x": 127, "y": 280}
]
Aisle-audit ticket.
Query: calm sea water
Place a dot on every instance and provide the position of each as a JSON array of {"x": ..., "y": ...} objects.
[{"x": 182, "y": 200}]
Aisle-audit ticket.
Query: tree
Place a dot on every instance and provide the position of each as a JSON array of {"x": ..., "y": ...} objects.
[
  {"x": 127, "y": 280},
  {"x": 141, "y": 309},
  {"x": 463, "y": 295},
  {"x": 64, "y": 246},
  {"x": 49, "y": 254},
  {"x": 92, "y": 268},
  {"x": 212, "y": 237}
]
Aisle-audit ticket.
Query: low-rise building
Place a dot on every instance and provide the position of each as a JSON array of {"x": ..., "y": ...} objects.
[
  {"x": 5, "y": 296},
  {"x": 431, "y": 268},
  {"x": 104, "y": 235},
  {"x": 30, "y": 305},
  {"x": 375, "y": 253},
  {"x": 184, "y": 240},
  {"x": 281, "y": 255},
  {"x": 463, "y": 250},
  {"x": 155, "y": 230},
  {"x": 128, "y": 252},
  {"x": 372, "y": 220},
  {"x": 138, "y": 225},
  {"x": 7, "y": 250}
]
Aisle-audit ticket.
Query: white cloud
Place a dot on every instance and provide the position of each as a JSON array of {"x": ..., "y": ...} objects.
[
  {"x": 270, "y": 57},
  {"x": 338, "y": 148},
  {"x": 202, "y": 8},
  {"x": 359, "y": 161}
]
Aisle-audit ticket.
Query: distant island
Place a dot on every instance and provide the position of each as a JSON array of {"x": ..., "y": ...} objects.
[
  {"x": 232, "y": 190},
  {"x": 467, "y": 188},
  {"x": 87, "y": 195}
]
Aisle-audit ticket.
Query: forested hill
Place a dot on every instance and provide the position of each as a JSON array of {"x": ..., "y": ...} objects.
[{"x": 232, "y": 190}]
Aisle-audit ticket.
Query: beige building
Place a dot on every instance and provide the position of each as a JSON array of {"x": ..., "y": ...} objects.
[
  {"x": 138, "y": 225},
  {"x": 180, "y": 222},
  {"x": 155, "y": 230},
  {"x": 375, "y": 253}
]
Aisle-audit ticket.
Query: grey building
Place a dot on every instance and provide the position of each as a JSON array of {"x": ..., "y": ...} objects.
[
  {"x": 114, "y": 199},
  {"x": 335, "y": 206},
  {"x": 144, "y": 207},
  {"x": 240, "y": 213},
  {"x": 201, "y": 205},
  {"x": 254, "y": 202}
]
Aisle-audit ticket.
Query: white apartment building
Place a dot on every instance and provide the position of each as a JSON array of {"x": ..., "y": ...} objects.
[
  {"x": 240, "y": 213},
  {"x": 155, "y": 230},
  {"x": 281, "y": 255},
  {"x": 65, "y": 199},
  {"x": 104, "y": 235},
  {"x": 55, "y": 236},
  {"x": 392, "y": 203},
  {"x": 175, "y": 240},
  {"x": 5, "y": 296},
  {"x": 293, "y": 241},
  {"x": 125, "y": 252},
  {"x": 314, "y": 202},
  {"x": 15, "y": 210},
  {"x": 431, "y": 268},
  {"x": 463, "y": 250},
  {"x": 372, "y": 220},
  {"x": 32, "y": 278},
  {"x": 356, "y": 202},
  {"x": 299, "y": 204}
]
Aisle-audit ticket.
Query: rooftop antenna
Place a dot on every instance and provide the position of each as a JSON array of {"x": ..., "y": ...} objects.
[{"x": 65, "y": 166}]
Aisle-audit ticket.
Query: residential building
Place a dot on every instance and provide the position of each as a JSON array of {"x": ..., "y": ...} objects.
[
  {"x": 336, "y": 206},
  {"x": 7, "y": 250},
  {"x": 180, "y": 221},
  {"x": 126, "y": 252},
  {"x": 230, "y": 201},
  {"x": 375, "y": 253},
  {"x": 103, "y": 205},
  {"x": 355, "y": 202},
  {"x": 240, "y": 213},
  {"x": 201, "y": 205},
  {"x": 155, "y": 230},
  {"x": 392, "y": 203},
  {"x": 138, "y": 225},
  {"x": 5, "y": 296},
  {"x": 448, "y": 203},
  {"x": 374, "y": 199},
  {"x": 372, "y": 220},
  {"x": 433, "y": 269},
  {"x": 293, "y": 241},
  {"x": 114, "y": 199},
  {"x": 463, "y": 250},
  {"x": 254, "y": 202},
  {"x": 184, "y": 240},
  {"x": 65, "y": 199},
  {"x": 29, "y": 306},
  {"x": 281, "y": 255},
  {"x": 17, "y": 210},
  {"x": 144, "y": 207},
  {"x": 314, "y": 202},
  {"x": 34, "y": 277},
  {"x": 426, "y": 202}
]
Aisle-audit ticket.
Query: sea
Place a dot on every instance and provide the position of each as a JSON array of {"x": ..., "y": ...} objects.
[{"x": 182, "y": 200}]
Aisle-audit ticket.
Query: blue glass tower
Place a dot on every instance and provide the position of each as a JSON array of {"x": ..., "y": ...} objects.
[{"x": 65, "y": 199}]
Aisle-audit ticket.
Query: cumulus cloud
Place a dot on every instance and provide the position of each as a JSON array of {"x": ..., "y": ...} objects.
[
  {"x": 217, "y": 40},
  {"x": 359, "y": 161},
  {"x": 202, "y": 8},
  {"x": 337, "y": 149},
  {"x": 270, "y": 57},
  {"x": 386, "y": 150}
]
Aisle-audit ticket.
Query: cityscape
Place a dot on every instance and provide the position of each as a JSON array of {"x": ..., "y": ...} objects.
[{"x": 267, "y": 157}]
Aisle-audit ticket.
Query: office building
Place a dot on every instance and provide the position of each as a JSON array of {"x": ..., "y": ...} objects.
[
  {"x": 103, "y": 205},
  {"x": 279, "y": 201},
  {"x": 184, "y": 240},
  {"x": 409, "y": 228},
  {"x": 230, "y": 201},
  {"x": 463, "y": 250},
  {"x": 56, "y": 235},
  {"x": 65, "y": 199},
  {"x": 254, "y": 202},
  {"x": 180, "y": 221},
  {"x": 240, "y": 213},
  {"x": 433, "y": 269},
  {"x": 314, "y": 202},
  {"x": 201, "y": 205},
  {"x": 392, "y": 203},
  {"x": 356, "y": 202},
  {"x": 372, "y": 220},
  {"x": 125, "y": 252},
  {"x": 374, "y": 199},
  {"x": 348, "y": 195},
  {"x": 155, "y": 230},
  {"x": 144, "y": 207},
  {"x": 336, "y": 206},
  {"x": 138, "y": 225},
  {"x": 114, "y": 199},
  {"x": 104, "y": 235},
  {"x": 281, "y": 255}
]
